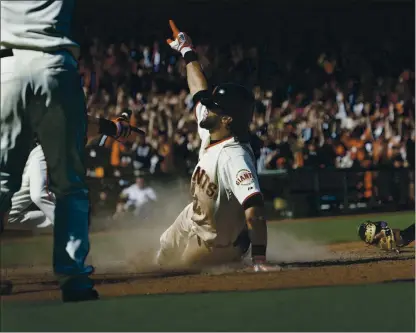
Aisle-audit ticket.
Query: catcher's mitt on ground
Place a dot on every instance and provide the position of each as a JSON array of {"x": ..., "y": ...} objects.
[{"x": 381, "y": 235}]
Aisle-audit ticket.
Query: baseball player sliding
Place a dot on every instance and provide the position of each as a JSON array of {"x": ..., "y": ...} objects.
[
  {"x": 41, "y": 96},
  {"x": 226, "y": 214}
]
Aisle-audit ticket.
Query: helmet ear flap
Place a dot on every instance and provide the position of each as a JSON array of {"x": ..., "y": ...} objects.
[{"x": 367, "y": 232}]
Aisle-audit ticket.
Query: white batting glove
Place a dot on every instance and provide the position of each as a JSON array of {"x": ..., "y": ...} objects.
[{"x": 181, "y": 42}]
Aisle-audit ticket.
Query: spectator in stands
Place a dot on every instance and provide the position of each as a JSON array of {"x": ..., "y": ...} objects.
[
  {"x": 180, "y": 152},
  {"x": 334, "y": 112},
  {"x": 326, "y": 153},
  {"x": 192, "y": 146},
  {"x": 142, "y": 154},
  {"x": 165, "y": 152},
  {"x": 410, "y": 149}
]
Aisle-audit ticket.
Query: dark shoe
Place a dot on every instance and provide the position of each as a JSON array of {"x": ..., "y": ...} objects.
[
  {"x": 80, "y": 295},
  {"x": 6, "y": 287}
]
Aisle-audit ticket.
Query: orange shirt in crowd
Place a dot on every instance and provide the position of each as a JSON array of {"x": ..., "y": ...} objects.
[
  {"x": 299, "y": 159},
  {"x": 166, "y": 152},
  {"x": 116, "y": 149},
  {"x": 367, "y": 134},
  {"x": 340, "y": 150},
  {"x": 377, "y": 151},
  {"x": 368, "y": 184},
  {"x": 357, "y": 143}
]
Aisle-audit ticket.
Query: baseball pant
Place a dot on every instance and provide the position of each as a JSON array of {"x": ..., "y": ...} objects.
[
  {"x": 41, "y": 95},
  {"x": 181, "y": 246},
  {"x": 34, "y": 189}
]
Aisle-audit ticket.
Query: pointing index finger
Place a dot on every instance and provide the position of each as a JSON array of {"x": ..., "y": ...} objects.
[{"x": 175, "y": 30}]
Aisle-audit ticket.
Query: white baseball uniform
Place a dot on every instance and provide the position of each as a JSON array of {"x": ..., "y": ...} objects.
[
  {"x": 138, "y": 197},
  {"x": 41, "y": 95},
  {"x": 34, "y": 189},
  {"x": 224, "y": 178},
  {"x": 37, "y": 25}
]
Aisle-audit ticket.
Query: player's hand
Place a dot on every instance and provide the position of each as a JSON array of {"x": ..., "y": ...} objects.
[
  {"x": 123, "y": 128},
  {"x": 181, "y": 42},
  {"x": 260, "y": 265}
]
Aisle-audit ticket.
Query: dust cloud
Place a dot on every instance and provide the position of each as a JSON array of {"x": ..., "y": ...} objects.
[
  {"x": 130, "y": 244},
  {"x": 282, "y": 248},
  {"x": 285, "y": 247}
]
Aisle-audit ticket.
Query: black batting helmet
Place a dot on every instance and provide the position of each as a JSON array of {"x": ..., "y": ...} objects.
[
  {"x": 232, "y": 100},
  {"x": 366, "y": 231}
]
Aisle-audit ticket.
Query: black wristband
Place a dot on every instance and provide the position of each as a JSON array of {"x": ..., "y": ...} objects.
[
  {"x": 107, "y": 127},
  {"x": 200, "y": 95},
  {"x": 190, "y": 56},
  {"x": 255, "y": 200},
  {"x": 258, "y": 250}
]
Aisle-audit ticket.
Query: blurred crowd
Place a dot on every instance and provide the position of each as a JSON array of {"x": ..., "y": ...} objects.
[{"x": 342, "y": 108}]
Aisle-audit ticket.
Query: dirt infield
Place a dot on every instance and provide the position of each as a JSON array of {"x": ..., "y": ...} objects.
[{"x": 350, "y": 263}]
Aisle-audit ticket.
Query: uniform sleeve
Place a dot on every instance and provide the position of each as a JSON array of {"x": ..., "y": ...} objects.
[{"x": 241, "y": 177}]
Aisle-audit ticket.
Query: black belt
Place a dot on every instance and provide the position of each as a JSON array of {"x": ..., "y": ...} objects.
[{"x": 6, "y": 53}]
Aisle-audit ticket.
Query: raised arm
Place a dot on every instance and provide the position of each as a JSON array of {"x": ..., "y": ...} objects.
[
  {"x": 196, "y": 79},
  {"x": 182, "y": 43}
]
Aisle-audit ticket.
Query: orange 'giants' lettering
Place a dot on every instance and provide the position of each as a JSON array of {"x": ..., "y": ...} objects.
[
  {"x": 244, "y": 177},
  {"x": 212, "y": 189},
  {"x": 201, "y": 179},
  {"x": 198, "y": 174}
]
